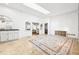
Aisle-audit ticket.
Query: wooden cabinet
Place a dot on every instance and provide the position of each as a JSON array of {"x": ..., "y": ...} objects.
[{"x": 61, "y": 33}]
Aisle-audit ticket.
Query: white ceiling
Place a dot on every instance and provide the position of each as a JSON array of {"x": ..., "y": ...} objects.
[
  {"x": 54, "y": 8},
  {"x": 59, "y": 8}
]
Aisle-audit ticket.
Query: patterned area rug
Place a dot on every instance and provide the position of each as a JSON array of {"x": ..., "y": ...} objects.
[{"x": 52, "y": 45}]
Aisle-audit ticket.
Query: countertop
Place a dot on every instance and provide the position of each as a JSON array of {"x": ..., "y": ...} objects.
[{"x": 9, "y": 29}]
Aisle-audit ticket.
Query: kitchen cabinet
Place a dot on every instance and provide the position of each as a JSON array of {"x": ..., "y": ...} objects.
[
  {"x": 3, "y": 36},
  {"x": 7, "y": 35}
]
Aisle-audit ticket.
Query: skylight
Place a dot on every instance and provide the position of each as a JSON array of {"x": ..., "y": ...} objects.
[{"x": 37, "y": 7}]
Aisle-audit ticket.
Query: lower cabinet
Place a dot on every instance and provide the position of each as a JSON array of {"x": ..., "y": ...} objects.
[
  {"x": 3, "y": 36},
  {"x": 15, "y": 35},
  {"x": 8, "y": 35}
]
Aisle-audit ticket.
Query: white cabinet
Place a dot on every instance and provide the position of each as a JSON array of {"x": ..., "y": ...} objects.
[
  {"x": 3, "y": 36},
  {"x": 8, "y": 35},
  {"x": 15, "y": 35}
]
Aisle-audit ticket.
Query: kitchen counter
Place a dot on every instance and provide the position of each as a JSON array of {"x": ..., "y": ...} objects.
[
  {"x": 9, "y": 34},
  {"x": 9, "y": 29}
]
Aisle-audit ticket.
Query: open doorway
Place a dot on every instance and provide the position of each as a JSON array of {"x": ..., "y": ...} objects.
[
  {"x": 35, "y": 28},
  {"x": 46, "y": 28}
]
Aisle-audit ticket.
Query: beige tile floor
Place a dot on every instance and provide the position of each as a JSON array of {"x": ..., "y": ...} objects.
[{"x": 24, "y": 47}]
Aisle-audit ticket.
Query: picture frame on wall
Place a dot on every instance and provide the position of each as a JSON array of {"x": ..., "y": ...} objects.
[{"x": 28, "y": 26}]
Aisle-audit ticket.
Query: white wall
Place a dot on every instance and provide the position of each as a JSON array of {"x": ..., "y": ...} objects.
[
  {"x": 67, "y": 22},
  {"x": 19, "y": 19},
  {"x": 43, "y": 21}
]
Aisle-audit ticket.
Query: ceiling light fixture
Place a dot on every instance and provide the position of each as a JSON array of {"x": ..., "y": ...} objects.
[{"x": 37, "y": 7}]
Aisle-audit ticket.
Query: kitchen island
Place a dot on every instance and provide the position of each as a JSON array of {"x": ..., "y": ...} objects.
[{"x": 8, "y": 34}]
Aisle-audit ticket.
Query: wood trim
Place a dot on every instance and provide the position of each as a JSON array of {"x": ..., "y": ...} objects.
[{"x": 40, "y": 48}]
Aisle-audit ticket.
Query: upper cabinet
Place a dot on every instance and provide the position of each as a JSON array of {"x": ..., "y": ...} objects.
[{"x": 5, "y": 22}]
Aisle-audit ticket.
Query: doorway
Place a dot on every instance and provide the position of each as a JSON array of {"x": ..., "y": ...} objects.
[
  {"x": 46, "y": 28},
  {"x": 35, "y": 28}
]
